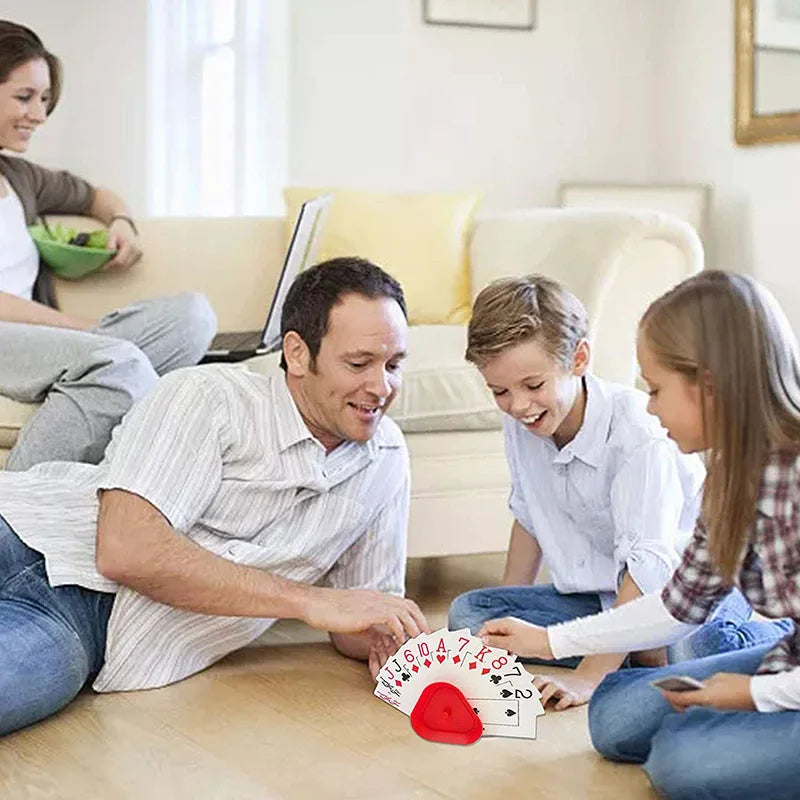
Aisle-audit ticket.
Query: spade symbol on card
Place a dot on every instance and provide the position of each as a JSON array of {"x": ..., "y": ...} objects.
[
  {"x": 505, "y": 693},
  {"x": 510, "y": 713}
]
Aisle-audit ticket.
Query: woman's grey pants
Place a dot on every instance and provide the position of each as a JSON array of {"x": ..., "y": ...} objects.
[{"x": 88, "y": 380}]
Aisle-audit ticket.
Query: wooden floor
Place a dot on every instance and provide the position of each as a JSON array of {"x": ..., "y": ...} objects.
[{"x": 293, "y": 719}]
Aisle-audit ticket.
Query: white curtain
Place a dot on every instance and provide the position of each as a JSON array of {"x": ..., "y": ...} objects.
[{"x": 218, "y": 106}]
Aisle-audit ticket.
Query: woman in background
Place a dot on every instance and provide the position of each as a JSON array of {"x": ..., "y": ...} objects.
[{"x": 87, "y": 372}]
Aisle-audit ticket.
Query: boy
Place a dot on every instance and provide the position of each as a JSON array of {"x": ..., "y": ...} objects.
[{"x": 599, "y": 493}]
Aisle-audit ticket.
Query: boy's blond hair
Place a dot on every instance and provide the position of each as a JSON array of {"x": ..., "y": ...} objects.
[{"x": 510, "y": 311}]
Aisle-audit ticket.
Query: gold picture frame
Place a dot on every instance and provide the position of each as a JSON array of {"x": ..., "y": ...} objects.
[{"x": 749, "y": 127}]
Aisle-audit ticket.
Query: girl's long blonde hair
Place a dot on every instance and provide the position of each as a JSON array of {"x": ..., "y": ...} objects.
[{"x": 728, "y": 333}]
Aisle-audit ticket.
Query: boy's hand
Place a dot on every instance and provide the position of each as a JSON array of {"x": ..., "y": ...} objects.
[
  {"x": 356, "y": 610},
  {"x": 565, "y": 690},
  {"x": 517, "y": 636},
  {"x": 724, "y": 691}
]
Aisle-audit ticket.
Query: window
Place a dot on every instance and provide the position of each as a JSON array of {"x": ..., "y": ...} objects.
[{"x": 218, "y": 75}]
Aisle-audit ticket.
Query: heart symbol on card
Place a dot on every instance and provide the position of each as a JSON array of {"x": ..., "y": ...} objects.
[{"x": 440, "y": 658}]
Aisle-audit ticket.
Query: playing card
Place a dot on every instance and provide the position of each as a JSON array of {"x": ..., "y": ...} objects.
[
  {"x": 502, "y": 690},
  {"x": 510, "y": 717}
]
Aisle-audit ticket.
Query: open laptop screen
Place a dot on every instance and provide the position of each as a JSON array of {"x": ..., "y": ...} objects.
[{"x": 300, "y": 255}]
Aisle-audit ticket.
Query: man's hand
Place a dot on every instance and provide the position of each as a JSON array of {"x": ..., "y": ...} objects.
[
  {"x": 564, "y": 691},
  {"x": 724, "y": 691},
  {"x": 517, "y": 636},
  {"x": 381, "y": 649},
  {"x": 355, "y": 610}
]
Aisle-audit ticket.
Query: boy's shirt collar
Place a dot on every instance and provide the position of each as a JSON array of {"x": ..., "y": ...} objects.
[{"x": 589, "y": 441}]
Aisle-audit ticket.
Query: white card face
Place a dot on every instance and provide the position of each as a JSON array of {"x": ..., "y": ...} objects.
[{"x": 514, "y": 718}]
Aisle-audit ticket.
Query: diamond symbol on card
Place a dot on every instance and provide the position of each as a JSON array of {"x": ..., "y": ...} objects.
[
  {"x": 456, "y": 659},
  {"x": 397, "y": 682},
  {"x": 485, "y": 671},
  {"x": 415, "y": 668},
  {"x": 473, "y": 665},
  {"x": 440, "y": 658},
  {"x": 427, "y": 662}
]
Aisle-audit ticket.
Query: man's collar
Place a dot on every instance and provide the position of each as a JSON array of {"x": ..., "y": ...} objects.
[{"x": 591, "y": 437}]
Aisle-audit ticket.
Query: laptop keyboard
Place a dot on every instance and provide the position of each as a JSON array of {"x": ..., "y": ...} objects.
[{"x": 247, "y": 340}]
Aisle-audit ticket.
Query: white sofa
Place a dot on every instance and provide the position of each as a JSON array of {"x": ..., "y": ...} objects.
[{"x": 615, "y": 261}]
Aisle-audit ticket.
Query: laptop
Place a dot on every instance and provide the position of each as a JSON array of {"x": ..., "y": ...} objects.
[{"x": 237, "y": 346}]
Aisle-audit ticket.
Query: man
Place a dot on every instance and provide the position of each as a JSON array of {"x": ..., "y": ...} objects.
[{"x": 225, "y": 500}]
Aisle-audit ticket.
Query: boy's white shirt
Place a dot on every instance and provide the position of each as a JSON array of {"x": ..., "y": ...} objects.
[{"x": 620, "y": 496}]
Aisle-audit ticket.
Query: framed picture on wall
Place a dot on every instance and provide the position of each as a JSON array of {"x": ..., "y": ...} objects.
[
  {"x": 507, "y": 14},
  {"x": 690, "y": 202}
]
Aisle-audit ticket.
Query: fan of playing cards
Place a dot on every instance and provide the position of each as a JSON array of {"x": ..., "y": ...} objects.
[{"x": 497, "y": 689}]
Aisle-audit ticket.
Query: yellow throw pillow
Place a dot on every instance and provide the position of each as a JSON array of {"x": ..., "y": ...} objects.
[{"x": 420, "y": 239}]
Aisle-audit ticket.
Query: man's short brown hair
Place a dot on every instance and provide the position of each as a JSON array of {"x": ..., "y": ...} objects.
[{"x": 514, "y": 310}]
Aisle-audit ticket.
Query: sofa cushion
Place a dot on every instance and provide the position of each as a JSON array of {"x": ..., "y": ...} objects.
[
  {"x": 441, "y": 391},
  {"x": 13, "y": 416},
  {"x": 422, "y": 240}
]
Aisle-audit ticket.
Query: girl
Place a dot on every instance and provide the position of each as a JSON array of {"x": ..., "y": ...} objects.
[
  {"x": 87, "y": 372},
  {"x": 721, "y": 362}
]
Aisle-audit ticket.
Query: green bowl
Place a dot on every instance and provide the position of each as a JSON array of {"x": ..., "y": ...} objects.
[{"x": 68, "y": 260}]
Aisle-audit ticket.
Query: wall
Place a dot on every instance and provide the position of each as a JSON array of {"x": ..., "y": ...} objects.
[
  {"x": 754, "y": 222},
  {"x": 378, "y": 99},
  {"x": 99, "y": 128},
  {"x": 381, "y": 100}
]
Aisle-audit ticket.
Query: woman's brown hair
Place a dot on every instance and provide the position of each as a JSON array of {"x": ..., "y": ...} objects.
[
  {"x": 18, "y": 46},
  {"x": 728, "y": 333}
]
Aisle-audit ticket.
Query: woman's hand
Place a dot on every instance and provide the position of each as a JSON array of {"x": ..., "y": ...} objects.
[
  {"x": 517, "y": 636},
  {"x": 724, "y": 691},
  {"x": 122, "y": 239}
]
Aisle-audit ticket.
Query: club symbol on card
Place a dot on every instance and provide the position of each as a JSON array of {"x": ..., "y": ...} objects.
[
  {"x": 405, "y": 676},
  {"x": 440, "y": 659},
  {"x": 495, "y": 679}
]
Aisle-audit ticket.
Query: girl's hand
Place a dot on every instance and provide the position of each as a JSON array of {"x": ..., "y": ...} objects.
[
  {"x": 724, "y": 691},
  {"x": 122, "y": 239},
  {"x": 517, "y": 636},
  {"x": 565, "y": 690}
]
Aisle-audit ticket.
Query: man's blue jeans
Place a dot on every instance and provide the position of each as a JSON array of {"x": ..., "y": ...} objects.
[
  {"x": 727, "y": 630},
  {"x": 702, "y": 753},
  {"x": 52, "y": 640}
]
